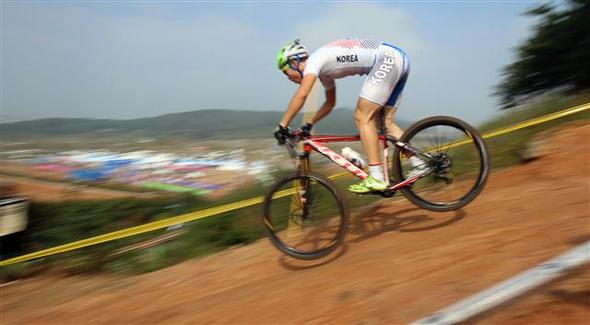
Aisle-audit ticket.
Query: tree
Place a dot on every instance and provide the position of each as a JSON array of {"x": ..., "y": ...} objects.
[{"x": 555, "y": 57}]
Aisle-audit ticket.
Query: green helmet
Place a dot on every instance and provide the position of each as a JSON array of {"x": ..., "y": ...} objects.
[{"x": 290, "y": 51}]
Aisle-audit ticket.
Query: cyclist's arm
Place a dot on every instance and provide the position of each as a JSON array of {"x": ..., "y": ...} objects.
[
  {"x": 327, "y": 106},
  {"x": 298, "y": 99}
]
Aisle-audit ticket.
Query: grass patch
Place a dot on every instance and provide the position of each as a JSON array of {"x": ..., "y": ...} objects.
[{"x": 505, "y": 149}]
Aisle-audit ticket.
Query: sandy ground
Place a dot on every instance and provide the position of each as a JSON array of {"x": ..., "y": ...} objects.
[{"x": 399, "y": 264}]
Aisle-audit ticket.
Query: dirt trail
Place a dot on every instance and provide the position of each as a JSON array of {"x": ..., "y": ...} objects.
[
  {"x": 400, "y": 263},
  {"x": 44, "y": 190}
]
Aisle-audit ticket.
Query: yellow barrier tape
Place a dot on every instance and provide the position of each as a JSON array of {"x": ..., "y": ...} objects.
[
  {"x": 535, "y": 121},
  {"x": 136, "y": 230},
  {"x": 128, "y": 232},
  {"x": 525, "y": 124}
]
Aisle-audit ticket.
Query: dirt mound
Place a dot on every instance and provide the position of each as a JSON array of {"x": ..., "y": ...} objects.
[{"x": 400, "y": 263}]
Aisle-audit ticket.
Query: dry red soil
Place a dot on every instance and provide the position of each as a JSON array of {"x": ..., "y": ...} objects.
[
  {"x": 399, "y": 264},
  {"x": 49, "y": 191}
]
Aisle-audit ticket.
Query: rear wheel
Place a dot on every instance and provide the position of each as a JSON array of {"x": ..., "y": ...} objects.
[
  {"x": 304, "y": 216},
  {"x": 458, "y": 163}
]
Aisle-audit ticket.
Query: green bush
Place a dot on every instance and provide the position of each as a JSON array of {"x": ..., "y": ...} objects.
[
  {"x": 542, "y": 106},
  {"x": 505, "y": 149}
]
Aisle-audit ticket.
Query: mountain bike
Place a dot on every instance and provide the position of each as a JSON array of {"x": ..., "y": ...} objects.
[{"x": 306, "y": 216}]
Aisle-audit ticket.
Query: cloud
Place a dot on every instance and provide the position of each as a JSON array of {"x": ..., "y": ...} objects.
[
  {"x": 127, "y": 60},
  {"x": 103, "y": 62},
  {"x": 453, "y": 59},
  {"x": 361, "y": 20}
]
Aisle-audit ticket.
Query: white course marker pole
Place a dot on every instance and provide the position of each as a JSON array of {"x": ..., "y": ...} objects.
[{"x": 511, "y": 288}]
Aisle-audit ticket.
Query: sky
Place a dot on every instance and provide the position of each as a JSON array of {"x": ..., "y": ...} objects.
[{"x": 131, "y": 59}]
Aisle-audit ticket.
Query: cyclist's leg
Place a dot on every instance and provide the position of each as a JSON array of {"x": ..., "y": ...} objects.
[
  {"x": 391, "y": 128},
  {"x": 418, "y": 165},
  {"x": 375, "y": 93},
  {"x": 364, "y": 118},
  {"x": 394, "y": 101}
]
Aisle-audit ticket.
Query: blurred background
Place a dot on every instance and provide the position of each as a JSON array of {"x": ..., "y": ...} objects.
[{"x": 117, "y": 114}]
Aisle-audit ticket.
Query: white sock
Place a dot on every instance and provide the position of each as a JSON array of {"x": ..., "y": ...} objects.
[
  {"x": 376, "y": 172},
  {"x": 415, "y": 161}
]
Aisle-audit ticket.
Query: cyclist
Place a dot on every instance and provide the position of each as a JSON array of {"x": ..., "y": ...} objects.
[{"x": 387, "y": 68}]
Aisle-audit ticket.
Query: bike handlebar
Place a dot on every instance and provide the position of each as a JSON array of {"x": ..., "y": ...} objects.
[{"x": 291, "y": 141}]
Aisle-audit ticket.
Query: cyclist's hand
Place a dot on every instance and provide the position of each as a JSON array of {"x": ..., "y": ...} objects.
[
  {"x": 305, "y": 129},
  {"x": 282, "y": 133}
]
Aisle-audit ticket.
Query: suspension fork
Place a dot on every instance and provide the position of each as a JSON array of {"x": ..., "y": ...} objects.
[
  {"x": 304, "y": 166},
  {"x": 305, "y": 190}
]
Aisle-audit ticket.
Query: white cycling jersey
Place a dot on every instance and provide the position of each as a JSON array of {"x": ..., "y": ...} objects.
[
  {"x": 386, "y": 65},
  {"x": 341, "y": 58}
]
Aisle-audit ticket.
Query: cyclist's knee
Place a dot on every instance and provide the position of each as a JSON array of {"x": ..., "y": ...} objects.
[
  {"x": 361, "y": 117},
  {"x": 365, "y": 112}
]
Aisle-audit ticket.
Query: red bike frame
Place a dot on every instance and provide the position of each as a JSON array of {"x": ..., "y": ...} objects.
[{"x": 315, "y": 142}]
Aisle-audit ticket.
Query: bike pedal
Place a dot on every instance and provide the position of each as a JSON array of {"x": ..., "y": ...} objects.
[{"x": 387, "y": 193}]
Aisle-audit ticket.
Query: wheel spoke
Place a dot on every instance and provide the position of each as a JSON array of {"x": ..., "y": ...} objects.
[
  {"x": 308, "y": 222},
  {"x": 459, "y": 164}
]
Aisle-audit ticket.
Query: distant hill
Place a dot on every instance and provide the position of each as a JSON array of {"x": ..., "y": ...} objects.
[{"x": 199, "y": 124}]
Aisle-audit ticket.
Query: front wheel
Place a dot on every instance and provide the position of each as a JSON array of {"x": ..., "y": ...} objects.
[
  {"x": 455, "y": 156},
  {"x": 305, "y": 216}
]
